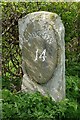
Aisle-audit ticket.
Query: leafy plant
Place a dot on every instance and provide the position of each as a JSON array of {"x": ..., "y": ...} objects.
[
  {"x": 12, "y": 12},
  {"x": 35, "y": 106}
]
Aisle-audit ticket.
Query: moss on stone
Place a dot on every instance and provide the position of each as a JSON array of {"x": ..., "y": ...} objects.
[{"x": 53, "y": 16}]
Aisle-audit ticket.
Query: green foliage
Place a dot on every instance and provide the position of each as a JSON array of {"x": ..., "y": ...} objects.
[
  {"x": 34, "y": 106},
  {"x": 73, "y": 88},
  {"x": 11, "y": 12}
]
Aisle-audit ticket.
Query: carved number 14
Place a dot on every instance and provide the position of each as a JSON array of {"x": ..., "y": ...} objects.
[{"x": 42, "y": 56}]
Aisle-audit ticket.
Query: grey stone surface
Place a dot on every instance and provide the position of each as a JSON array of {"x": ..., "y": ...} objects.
[{"x": 41, "y": 36}]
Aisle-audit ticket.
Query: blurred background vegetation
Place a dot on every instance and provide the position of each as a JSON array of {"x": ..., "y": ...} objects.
[
  {"x": 11, "y": 53},
  {"x": 11, "y": 12}
]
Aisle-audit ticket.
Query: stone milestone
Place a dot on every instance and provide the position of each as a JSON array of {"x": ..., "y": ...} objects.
[{"x": 41, "y": 38}]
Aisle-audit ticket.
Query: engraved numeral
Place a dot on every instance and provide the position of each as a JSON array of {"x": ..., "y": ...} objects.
[
  {"x": 42, "y": 56},
  {"x": 36, "y": 55}
]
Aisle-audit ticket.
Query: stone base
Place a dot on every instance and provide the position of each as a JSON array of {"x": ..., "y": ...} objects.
[{"x": 54, "y": 88}]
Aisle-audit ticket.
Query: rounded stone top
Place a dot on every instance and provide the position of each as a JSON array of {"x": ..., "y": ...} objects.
[
  {"x": 39, "y": 34},
  {"x": 39, "y": 14}
]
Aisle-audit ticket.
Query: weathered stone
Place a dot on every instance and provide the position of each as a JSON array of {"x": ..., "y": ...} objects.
[{"x": 41, "y": 36}]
